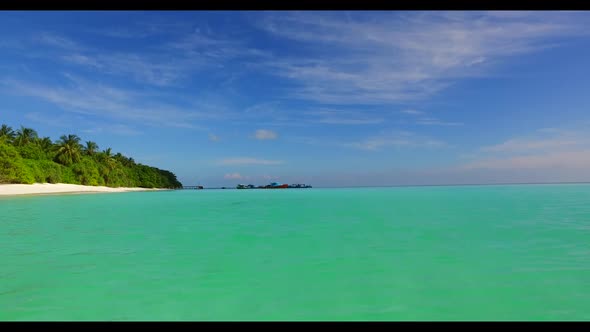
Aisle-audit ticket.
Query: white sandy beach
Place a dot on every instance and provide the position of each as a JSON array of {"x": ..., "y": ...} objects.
[{"x": 59, "y": 188}]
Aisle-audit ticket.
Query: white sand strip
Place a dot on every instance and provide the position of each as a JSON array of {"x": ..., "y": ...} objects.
[{"x": 59, "y": 188}]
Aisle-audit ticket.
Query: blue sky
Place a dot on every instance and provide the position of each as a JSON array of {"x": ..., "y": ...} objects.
[{"x": 326, "y": 98}]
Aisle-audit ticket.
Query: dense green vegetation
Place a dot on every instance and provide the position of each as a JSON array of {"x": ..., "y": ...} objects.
[{"x": 27, "y": 158}]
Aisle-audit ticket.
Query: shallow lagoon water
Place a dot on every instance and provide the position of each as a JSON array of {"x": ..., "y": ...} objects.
[{"x": 511, "y": 252}]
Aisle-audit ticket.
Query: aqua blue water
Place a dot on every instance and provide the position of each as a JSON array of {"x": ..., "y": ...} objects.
[{"x": 518, "y": 252}]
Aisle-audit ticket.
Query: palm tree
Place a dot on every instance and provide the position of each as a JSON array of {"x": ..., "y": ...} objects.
[
  {"x": 127, "y": 162},
  {"x": 108, "y": 159},
  {"x": 45, "y": 143},
  {"x": 90, "y": 148},
  {"x": 25, "y": 136},
  {"x": 68, "y": 149},
  {"x": 6, "y": 132},
  {"x": 108, "y": 162}
]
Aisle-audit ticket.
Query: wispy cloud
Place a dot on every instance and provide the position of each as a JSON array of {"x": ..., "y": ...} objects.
[
  {"x": 142, "y": 29},
  {"x": 56, "y": 40},
  {"x": 157, "y": 70},
  {"x": 340, "y": 121},
  {"x": 267, "y": 109},
  {"x": 84, "y": 97},
  {"x": 123, "y": 32},
  {"x": 233, "y": 176},
  {"x": 60, "y": 121},
  {"x": 276, "y": 114},
  {"x": 160, "y": 26},
  {"x": 412, "y": 112},
  {"x": 396, "y": 139},
  {"x": 343, "y": 117},
  {"x": 551, "y": 149},
  {"x": 79, "y": 122},
  {"x": 393, "y": 57},
  {"x": 164, "y": 65},
  {"x": 116, "y": 129},
  {"x": 270, "y": 113},
  {"x": 265, "y": 134},
  {"x": 197, "y": 42},
  {"x": 214, "y": 48},
  {"x": 213, "y": 138},
  {"x": 377, "y": 142},
  {"x": 429, "y": 121},
  {"x": 579, "y": 159},
  {"x": 528, "y": 145},
  {"x": 83, "y": 60},
  {"x": 249, "y": 161}
]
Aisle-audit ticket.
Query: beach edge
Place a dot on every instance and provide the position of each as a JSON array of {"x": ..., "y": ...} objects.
[{"x": 11, "y": 190}]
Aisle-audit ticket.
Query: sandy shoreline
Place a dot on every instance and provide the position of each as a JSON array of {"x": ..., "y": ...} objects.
[{"x": 60, "y": 188}]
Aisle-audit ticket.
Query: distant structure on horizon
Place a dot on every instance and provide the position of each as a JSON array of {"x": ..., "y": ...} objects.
[
  {"x": 274, "y": 185},
  {"x": 193, "y": 187}
]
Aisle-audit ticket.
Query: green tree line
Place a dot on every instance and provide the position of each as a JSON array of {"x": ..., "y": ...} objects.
[{"x": 27, "y": 158}]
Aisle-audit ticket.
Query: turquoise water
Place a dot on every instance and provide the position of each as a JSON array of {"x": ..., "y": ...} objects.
[{"x": 414, "y": 253}]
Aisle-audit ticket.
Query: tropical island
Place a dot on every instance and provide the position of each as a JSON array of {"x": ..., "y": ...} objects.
[{"x": 27, "y": 158}]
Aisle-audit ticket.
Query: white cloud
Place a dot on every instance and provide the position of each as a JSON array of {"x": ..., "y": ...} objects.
[
  {"x": 263, "y": 109},
  {"x": 429, "y": 121},
  {"x": 213, "y": 138},
  {"x": 214, "y": 50},
  {"x": 266, "y": 113},
  {"x": 264, "y": 134},
  {"x": 391, "y": 57},
  {"x": 549, "y": 130},
  {"x": 164, "y": 65},
  {"x": 279, "y": 115},
  {"x": 412, "y": 112},
  {"x": 395, "y": 139},
  {"x": 125, "y": 33},
  {"x": 233, "y": 176},
  {"x": 55, "y": 40},
  {"x": 82, "y": 60},
  {"x": 377, "y": 142},
  {"x": 341, "y": 121},
  {"x": 343, "y": 117},
  {"x": 81, "y": 123},
  {"x": 579, "y": 159},
  {"x": 158, "y": 70},
  {"x": 84, "y": 97},
  {"x": 525, "y": 145},
  {"x": 197, "y": 43},
  {"x": 62, "y": 120},
  {"x": 435, "y": 122},
  {"x": 249, "y": 161},
  {"x": 117, "y": 129},
  {"x": 138, "y": 29},
  {"x": 551, "y": 149}
]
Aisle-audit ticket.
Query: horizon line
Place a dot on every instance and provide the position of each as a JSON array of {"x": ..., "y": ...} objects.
[{"x": 428, "y": 185}]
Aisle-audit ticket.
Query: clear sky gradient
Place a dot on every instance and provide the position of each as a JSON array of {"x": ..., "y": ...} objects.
[{"x": 325, "y": 98}]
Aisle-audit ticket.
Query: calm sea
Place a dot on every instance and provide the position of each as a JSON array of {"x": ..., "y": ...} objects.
[{"x": 513, "y": 252}]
